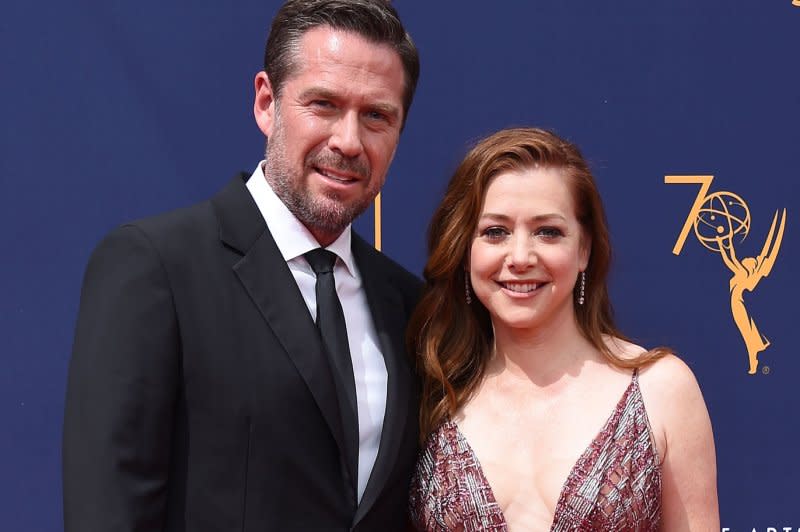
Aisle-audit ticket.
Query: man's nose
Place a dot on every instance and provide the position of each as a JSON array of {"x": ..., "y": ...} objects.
[{"x": 346, "y": 135}]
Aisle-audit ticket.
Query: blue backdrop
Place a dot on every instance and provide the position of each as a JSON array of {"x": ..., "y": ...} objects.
[{"x": 116, "y": 110}]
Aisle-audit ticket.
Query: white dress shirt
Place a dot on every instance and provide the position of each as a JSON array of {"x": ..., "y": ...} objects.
[{"x": 369, "y": 369}]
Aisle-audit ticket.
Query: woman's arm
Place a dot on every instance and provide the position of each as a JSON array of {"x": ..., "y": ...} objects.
[{"x": 689, "y": 471}]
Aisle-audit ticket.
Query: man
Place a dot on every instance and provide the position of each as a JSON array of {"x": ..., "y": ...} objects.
[{"x": 201, "y": 393}]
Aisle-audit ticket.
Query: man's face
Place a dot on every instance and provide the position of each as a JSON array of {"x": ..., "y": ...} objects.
[{"x": 334, "y": 129}]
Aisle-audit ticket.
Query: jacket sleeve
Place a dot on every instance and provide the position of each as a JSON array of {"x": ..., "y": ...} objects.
[{"x": 121, "y": 390}]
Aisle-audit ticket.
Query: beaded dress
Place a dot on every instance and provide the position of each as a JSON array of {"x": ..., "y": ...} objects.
[{"x": 614, "y": 485}]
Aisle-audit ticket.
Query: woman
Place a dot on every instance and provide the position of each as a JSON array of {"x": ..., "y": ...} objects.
[{"x": 537, "y": 413}]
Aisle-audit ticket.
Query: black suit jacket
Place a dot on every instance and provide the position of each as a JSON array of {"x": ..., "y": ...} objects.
[{"x": 199, "y": 397}]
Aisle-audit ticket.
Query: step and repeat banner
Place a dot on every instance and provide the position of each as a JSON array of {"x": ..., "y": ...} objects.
[{"x": 688, "y": 110}]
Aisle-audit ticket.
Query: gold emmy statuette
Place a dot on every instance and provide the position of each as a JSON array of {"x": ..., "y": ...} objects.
[
  {"x": 796, "y": 3},
  {"x": 717, "y": 218}
]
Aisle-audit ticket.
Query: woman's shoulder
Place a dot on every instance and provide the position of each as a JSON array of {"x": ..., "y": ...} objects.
[
  {"x": 684, "y": 441},
  {"x": 623, "y": 349},
  {"x": 667, "y": 374},
  {"x": 666, "y": 382},
  {"x": 660, "y": 364},
  {"x": 671, "y": 396},
  {"x": 442, "y": 438},
  {"x": 661, "y": 373}
]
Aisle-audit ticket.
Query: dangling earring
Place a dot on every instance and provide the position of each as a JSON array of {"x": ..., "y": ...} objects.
[
  {"x": 466, "y": 290},
  {"x": 581, "y": 294}
]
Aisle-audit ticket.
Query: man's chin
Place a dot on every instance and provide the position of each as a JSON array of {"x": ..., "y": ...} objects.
[
  {"x": 330, "y": 218},
  {"x": 334, "y": 207},
  {"x": 327, "y": 213}
]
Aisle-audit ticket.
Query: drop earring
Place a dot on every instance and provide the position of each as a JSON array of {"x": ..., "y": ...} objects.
[
  {"x": 466, "y": 290},
  {"x": 581, "y": 294}
]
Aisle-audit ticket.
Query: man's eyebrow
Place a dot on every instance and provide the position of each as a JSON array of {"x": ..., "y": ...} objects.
[
  {"x": 387, "y": 109},
  {"x": 312, "y": 93},
  {"x": 317, "y": 92}
]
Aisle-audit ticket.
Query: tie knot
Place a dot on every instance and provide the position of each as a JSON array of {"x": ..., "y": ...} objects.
[{"x": 321, "y": 260}]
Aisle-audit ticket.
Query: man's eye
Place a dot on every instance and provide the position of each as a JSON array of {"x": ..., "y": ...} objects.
[
  {"x": 376, "y": 116},
  {"x": 323, "y": 104}
]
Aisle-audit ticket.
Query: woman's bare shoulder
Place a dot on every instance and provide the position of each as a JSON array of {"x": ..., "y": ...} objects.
[
  {"x": 623, "y": 349},
  {"x": 685, "y": 441},
  {"x": 665, "y": 367},
  {"x": 672, "y": 397},
  {"x": 668, "y": 373}
]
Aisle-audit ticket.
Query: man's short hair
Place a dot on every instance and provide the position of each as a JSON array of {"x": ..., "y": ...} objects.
[{"x": 375, "y": 20}]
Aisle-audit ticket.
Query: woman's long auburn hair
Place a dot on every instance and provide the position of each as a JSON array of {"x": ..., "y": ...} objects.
[{"x": 452, "y": 340}]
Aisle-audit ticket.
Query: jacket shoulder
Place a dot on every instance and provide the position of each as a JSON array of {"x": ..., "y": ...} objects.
[{"x": 200, "y": 224}]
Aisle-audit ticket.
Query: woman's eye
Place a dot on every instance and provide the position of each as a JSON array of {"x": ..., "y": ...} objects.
[
  {"x": 495, "y": 233},
  {"x": 549, "y": 232}
]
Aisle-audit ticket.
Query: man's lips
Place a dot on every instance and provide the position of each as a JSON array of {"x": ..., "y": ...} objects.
[{"x": 337, "y": 175}]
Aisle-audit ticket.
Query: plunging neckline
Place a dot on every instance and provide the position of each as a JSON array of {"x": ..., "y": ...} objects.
[{"x": 582, "y": 459}]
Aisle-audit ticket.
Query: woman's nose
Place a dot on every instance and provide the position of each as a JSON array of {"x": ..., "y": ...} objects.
[{"x": 522, "y": 253}]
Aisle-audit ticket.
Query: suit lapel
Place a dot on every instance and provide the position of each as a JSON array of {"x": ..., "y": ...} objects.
[
  {"x": 270, "y": 284},
  {"x": 386, "y": 308}
]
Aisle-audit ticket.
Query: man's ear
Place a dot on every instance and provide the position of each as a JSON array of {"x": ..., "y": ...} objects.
[{"x": 264, "y": 104}]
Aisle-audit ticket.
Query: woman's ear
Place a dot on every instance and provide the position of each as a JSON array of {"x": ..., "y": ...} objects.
[{"x": 584, "y": 250}]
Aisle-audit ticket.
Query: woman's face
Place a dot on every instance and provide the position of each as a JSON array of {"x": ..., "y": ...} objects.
[{"x": 528, "y": 250}]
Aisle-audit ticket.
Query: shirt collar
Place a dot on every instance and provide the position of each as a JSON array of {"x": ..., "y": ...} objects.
[{"x": 291, "y": 236}]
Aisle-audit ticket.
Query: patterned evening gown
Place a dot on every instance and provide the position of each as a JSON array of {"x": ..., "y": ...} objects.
[{"x": 615, "y": 485}]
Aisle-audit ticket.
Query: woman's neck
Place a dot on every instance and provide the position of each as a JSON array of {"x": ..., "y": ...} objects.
[{"x": 543, "y": 355}]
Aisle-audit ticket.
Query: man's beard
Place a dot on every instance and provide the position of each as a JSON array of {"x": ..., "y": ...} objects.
[{"x": 329, "y": 215}]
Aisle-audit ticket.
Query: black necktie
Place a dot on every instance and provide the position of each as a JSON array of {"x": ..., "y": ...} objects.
[{"x": 333, "y": 330}]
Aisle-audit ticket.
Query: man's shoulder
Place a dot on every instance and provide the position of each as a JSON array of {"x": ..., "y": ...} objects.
[
  {"x": 197, "y": 216},
  {"x": 172, "y": 229},
  {"x": 159, "y": 239},
  {"x": 187, "y": 226},
  {"x": 177, "y": 219},
  {"x": 231, "y": 197}
]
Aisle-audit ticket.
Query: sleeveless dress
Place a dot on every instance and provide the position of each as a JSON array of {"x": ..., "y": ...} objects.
[{"x": 614, "y": 485}]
